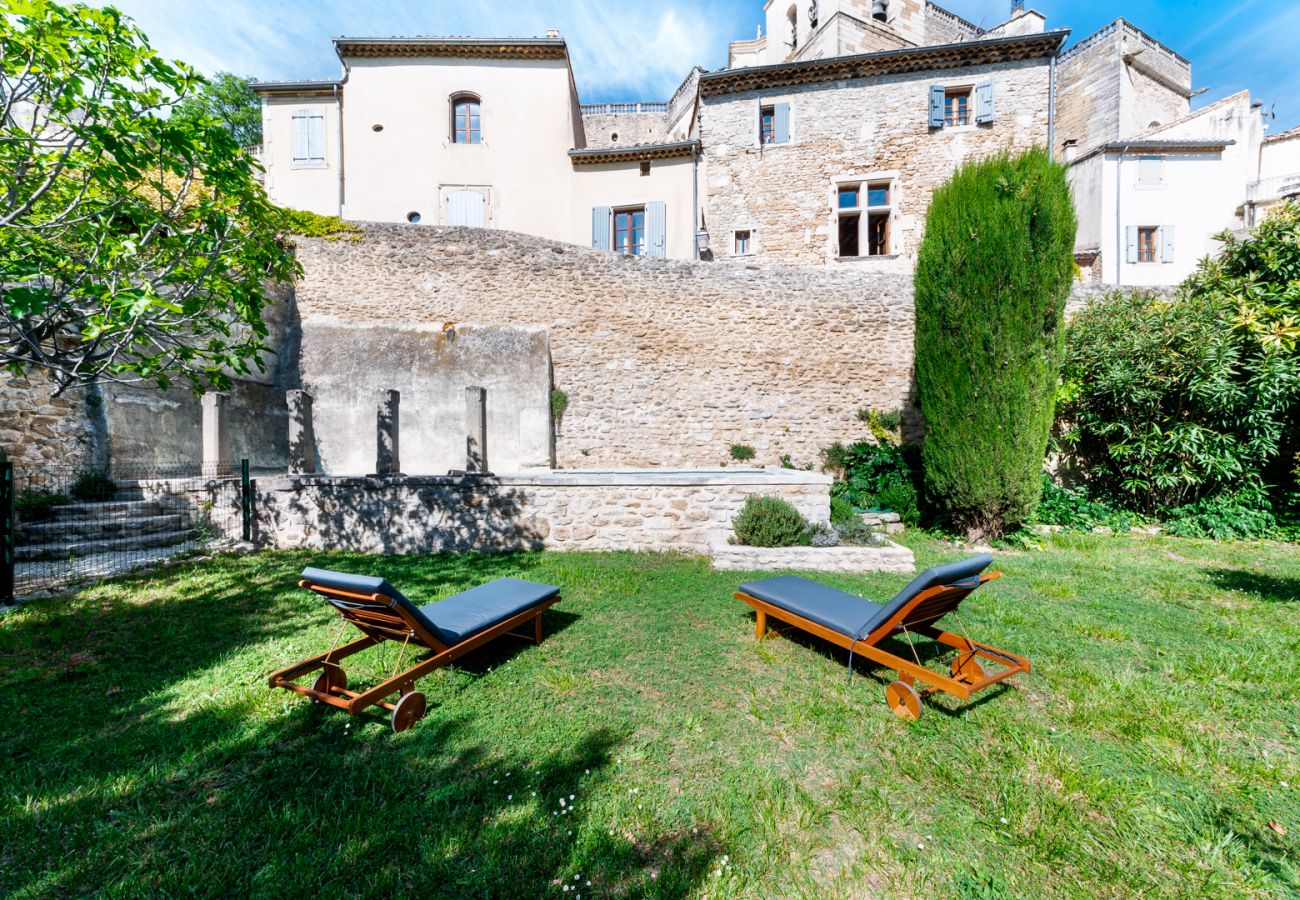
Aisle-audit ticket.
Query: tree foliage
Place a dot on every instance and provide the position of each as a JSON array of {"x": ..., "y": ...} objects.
[
  {"x": 1170, "y": 401},
  {"x": 992, "y": 277},
  {"x": 133, "y": 244},
  {"x": 229, "y": 99}
]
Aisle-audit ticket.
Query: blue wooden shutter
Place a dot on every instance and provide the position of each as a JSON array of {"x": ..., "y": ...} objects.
[
  {"x": 300, "y": 126},
  {"x": 936, "y": 105},
  {"x": 316, "y": 138},
  {"x": 984, "y": 103},
  {"x": 1131, "y": 240},
  {"x": 781, "y": 123},
  {"x": 1167, "y": 242},
  {"x": 602, "y": 228},
  {"x": 656, "y": 228}
]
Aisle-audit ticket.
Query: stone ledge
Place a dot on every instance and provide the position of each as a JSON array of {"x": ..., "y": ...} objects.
[{"x": 891, "y": 558}]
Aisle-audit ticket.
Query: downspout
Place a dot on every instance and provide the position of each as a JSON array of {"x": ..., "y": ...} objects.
[
  {"x": 338, "y": 103},
  {"x": 1051, "y": 109},
  {"x": 695, "y": 201},
  {"x": 1119, "y": 219}
]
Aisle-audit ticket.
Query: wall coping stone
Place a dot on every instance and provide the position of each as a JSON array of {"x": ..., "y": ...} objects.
[
  {"x": 563, "y": 478},
  {"x": 892, "y": 558}
]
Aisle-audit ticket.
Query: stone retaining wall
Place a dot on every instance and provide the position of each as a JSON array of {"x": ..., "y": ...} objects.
[
  {"x": 37, "y": 429},
  {"x": 665, "y": 363},
  {"x": 653, "y": 511}
]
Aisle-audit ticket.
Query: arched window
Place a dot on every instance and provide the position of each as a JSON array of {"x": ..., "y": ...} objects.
[{"x": 466, "y": 120}]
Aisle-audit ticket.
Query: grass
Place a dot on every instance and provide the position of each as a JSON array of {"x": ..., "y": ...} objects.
[{"x": 1147, "y": 754}]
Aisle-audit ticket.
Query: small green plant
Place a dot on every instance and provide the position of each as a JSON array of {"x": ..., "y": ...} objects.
[
  {"x": 742, "y": 452},
  {"x": 842, "y": 511},
  {"x": 309, "y": 224},
  {"x": 93, "y": 487},
  {"x": 1225, "y": 517},
  {"x": 37, "y": 506},
  {"x": 876, "y": 476},
  {"x": 559, "y": 403},
  {"x": 885, "y": 427},
  {"x": 770, "y": 522},
  {"x": 787, "y": 462},
  {"x": 1073, "y": 510}
]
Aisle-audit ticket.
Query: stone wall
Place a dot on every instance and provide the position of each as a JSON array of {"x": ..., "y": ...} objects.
[
  {"x": 1088, "y": 91},
  {"x": 873, "y": 129},
  {"x": 665, "y": 363},
  {"x": 37, "y": 428},
  {"x": 653, "y": 511}
]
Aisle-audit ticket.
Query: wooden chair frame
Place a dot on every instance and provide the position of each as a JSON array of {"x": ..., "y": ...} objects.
[
  {"x": 391, "y": 623},
  {"x": 915, "y": 617}
]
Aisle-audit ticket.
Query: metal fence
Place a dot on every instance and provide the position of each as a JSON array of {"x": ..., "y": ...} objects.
[{"x": 61, "y": 525}]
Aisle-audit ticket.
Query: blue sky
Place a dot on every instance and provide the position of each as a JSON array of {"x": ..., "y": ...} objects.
[{"x": 641, "y": 51}]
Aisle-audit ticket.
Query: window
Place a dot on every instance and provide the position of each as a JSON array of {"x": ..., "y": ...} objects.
[
  {"x": 466, "y": 120},
  {"x": 645, "y": 168},
  {"x": 956, "y": 107},
  {"x": 774, "y": 124},
  {"x": 1151, "y": 171},
  {"x": 1147, "y": 237},
  {"x": 309, "y": 137},
  {"x": 863, "y": 227},
  {"x": 629, "y": 231},
  {"x": 744, "y": 242}
]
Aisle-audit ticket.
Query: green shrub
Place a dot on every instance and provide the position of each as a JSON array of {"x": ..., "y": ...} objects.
[
  {"x": 885, "y": 427},
  {"x": 742, "y": 452},
  {"x": 93, "y": 487},
  {"x": 37, "y": 506},
  {"x": 770, "y": 522},
  {"x": 875, "y": 476},
  {"x": 1224, "y": 517},
  {"x": 992, "y": 276},
  {"x": 1171, "y": 401},
  {"x": 1073, "y": 510},
  {"x": 309, "y": 224},
  {"x": 559, "y": 404},
  {"x": 842, "y": 511}
]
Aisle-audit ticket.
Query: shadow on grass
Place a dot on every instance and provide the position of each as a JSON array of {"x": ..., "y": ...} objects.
[
  {"x": 125, "y": 774},
  {"x": 1266, "y": 587}
]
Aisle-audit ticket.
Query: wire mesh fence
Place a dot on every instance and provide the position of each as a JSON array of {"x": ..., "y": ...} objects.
[{"x": 65, "y": 525}]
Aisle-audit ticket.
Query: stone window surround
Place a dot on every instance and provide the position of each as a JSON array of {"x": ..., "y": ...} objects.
[
  {"x": 871, "y": 177},
  {"x": 483, "y": 109},
  {"x": 753, "y": 240},
  {"x": 761, "y": 101}
]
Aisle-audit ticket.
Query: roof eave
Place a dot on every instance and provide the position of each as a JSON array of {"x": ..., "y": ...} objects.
[{"x": 636, "y": 153}]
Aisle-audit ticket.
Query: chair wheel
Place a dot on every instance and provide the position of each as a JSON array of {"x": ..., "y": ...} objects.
[
  {"x": 903, "y": 700},
  {"x": 967, "y": 669},
  {"x": 330, "y": 680},
  {"x": 408, "y": 710}
]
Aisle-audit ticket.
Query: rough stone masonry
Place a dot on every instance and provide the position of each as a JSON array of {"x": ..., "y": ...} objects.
[{"x": 664, "y": 363}]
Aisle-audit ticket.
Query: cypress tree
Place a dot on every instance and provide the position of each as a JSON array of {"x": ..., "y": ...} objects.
[{"x": 992, "y": 277}]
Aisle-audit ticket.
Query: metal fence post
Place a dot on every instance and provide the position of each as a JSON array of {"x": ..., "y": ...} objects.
[
  {"x": 6, "y": 532},
  {"x": 246, "y": 499}
]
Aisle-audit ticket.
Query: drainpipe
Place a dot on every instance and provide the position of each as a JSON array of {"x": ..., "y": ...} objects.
[
  {"x": 695, "y": 201},
  {"x": 1051, "y": 110},
  {"x": 1119, "y": 219},
  {"x": 338, "y": 104}
]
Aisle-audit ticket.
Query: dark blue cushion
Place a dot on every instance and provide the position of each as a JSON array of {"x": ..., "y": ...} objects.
[
  {"x": 466, "y": 614},
  {"x": 850, "y": 615},
  {"x": 458, "y": 617}
]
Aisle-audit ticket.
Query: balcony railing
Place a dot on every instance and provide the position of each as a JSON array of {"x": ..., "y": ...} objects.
[{"x": 1267, "y": 190}]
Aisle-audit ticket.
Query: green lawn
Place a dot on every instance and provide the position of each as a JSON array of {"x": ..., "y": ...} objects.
[{"x": 1147, "y": 754}]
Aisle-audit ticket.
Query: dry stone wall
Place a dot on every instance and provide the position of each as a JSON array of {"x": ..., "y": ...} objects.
[
  {"x": 665, "y": 363},
  {"x": 38, "y": 429}
]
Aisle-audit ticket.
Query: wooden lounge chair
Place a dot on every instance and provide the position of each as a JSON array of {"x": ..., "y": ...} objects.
[
  {"x": 860, "y": 626},
  {"x": 449, "y": 628}
]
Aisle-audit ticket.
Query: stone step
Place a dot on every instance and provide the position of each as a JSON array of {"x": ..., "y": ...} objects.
[
  {"x": 97, "y": 527},
  {"x": 123, "y": 545},
  {"x": 108, "y": 508}
]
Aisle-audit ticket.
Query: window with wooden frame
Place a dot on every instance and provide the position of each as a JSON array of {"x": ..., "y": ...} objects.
[
  {"x": 956, "y": 107},
  {"x": 863, "y": 213},
  {"x": 1147, "y": 239},
  {"x": 645, "y": 167},
  {"x": 767, "y": 125},
  {"x": 466, "y": 119},
  {"x": 629, "y": 231},
  {"x": 744, "y": 242}
]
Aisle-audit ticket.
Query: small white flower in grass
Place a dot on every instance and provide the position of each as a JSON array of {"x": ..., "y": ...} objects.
[
  {"x": 588, "y": 884},
  {"x": 920, "y": 846},
  {"x": 570, "y": 796},
  {"x": 654, "y": 875},
  {"x": 561, "y": 801},
  {"x": 589, "y": 771},
  {"x": 717, "y": 873},
  {"x": 566, "y": 889},
  {"x": 1003, "y": 820},
  {"x": 1284, "y": 784},
  {"x": 510, "y": 796},
  {"x": 495, "y": 781},
  {"x": 577, "y": 877}
]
